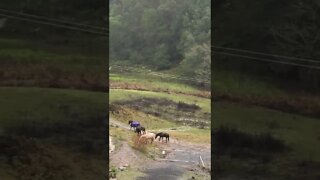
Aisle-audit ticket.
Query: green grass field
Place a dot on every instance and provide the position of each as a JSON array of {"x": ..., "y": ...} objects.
[
  {"x": 243, "y": 85},
  {"x": 297, "y": 131},
  {"x": 42, "y": 105},
  {"x": 257, "y": 105},
  {"x": 37, "y": 63},
  {"x": 52, "y": 133},
  {"x": 152, "y": 122},
  {"x": 153, "y": 82},
  {"x": 262, "y": 91}
]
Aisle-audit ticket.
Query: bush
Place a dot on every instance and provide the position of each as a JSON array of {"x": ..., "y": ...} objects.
[
  {"x": 187, "y": 107},
  {"x": 112, "y": 172}
]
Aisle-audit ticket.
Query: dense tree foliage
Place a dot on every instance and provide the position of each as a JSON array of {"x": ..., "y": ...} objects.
[
  {"x": 162, "y": 34},
  {"x": 281, "y": 27}
]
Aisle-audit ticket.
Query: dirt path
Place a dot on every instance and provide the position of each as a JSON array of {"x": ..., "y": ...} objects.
[
  {"x": 181, "y": 157},
  {"x": 125, "y": 155},
  {"x": 111, "y": 145}
]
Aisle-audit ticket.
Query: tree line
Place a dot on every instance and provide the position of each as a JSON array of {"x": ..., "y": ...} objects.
[
  {"x": 166, "y": 34},
  {"x": 288, "y": 28}
]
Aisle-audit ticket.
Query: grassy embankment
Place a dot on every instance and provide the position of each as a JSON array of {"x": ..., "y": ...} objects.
[
  {"x": 40, "y": 126},
  {"x": 253, "y": 106},
  {"x": 237, "y": 87},
  {"x": 52, "y": 133},
  {"x": 123, "y": 112},
  {"x": 144, "y": 82},
  {"x": 36, "y": 63}
]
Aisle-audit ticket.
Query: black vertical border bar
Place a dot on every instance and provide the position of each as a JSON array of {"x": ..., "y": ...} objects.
[{"x": 106, "y": 124}]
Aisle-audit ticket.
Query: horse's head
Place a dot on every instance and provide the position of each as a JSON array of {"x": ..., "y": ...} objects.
[
  {"x": 130, "y": 122},
  {"x": 158, "y": 134}
]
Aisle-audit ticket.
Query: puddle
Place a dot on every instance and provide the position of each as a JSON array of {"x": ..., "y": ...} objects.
[{"x": 170, "y": 172}]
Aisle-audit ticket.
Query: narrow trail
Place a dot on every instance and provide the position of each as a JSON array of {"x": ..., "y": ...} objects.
[
  {"x": 180, "y": 157},
  {"x": 111, "y": 145}
]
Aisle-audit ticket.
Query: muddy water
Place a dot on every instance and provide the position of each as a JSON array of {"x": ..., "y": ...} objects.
[
  {"x": 181, "y": 152},
  {"x": 168, "y": 172},
  {"x": 179, "y": 160}
]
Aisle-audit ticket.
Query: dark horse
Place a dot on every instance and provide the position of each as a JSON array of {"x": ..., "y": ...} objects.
[
  {"x": 161, "y": 135},
  {"x": 139, "y": 129},
  {"x": 134, "y": 124}
]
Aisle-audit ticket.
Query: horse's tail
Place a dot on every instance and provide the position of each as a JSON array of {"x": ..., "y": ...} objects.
[{"x": 168, "y": 137}]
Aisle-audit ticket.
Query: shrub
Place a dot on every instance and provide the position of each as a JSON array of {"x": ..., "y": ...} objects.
[{"x": 112, "y": 172}]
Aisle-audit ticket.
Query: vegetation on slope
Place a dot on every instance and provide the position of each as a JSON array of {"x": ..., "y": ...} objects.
[
  {"x": 25, "y": 63},
  {"x": 49, "y": 133},
  {"x": 52, "y": 133}
]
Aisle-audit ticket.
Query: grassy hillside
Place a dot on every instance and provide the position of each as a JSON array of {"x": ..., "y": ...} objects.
[
  {"x": 161, "y": 104},
  {"x": 265, "y": 92},
  {"x": 163, "y": 113},
  {"x": 45, "y": 132},
  {"x": 297, "y": 131},
  {"x": 252, "y": 112},
  {"x": 52, "y": 133},
  {"x": 36, "y": 63}
]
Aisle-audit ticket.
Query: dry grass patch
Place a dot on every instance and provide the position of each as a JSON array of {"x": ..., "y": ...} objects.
[{"x": 200, "y": 136}]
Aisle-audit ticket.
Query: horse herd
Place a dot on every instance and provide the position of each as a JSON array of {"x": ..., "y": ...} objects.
[{"x": 147, "y": 136}]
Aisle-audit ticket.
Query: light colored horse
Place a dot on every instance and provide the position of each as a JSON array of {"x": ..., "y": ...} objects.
[{"x": 146, "y": 137}]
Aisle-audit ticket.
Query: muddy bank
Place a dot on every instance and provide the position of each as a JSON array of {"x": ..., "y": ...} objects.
[
  {"x": 302, "y": 105},
  {"x": 183, "y": 113}
]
